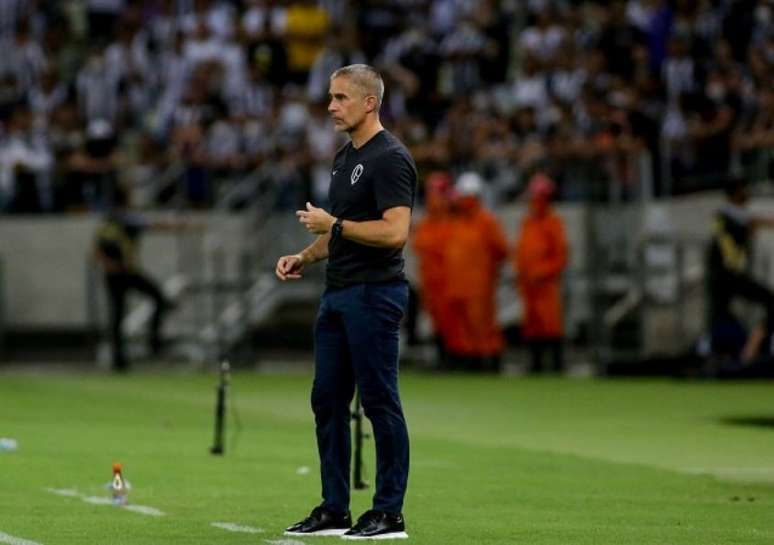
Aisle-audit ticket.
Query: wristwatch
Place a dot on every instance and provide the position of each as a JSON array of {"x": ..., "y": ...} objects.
[{"x": 336, "y": 228}]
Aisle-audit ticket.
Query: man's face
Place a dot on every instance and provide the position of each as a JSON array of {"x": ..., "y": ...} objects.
[{"x": 348, "y": 105}]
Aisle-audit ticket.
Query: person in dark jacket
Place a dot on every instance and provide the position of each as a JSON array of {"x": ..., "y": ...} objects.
[
  {"x": 116, "y": 250},
  {"x": 729, "y": 267}
]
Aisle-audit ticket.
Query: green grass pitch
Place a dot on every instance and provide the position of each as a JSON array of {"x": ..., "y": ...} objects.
[{"x": 494, "y": 460}]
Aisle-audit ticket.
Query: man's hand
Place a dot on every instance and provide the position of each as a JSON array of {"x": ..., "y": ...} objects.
[
  {"x": 289, "y": 267},
  {"x": 316, "y": 220}
]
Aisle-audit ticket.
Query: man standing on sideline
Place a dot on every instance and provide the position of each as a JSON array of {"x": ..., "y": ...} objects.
[
  {"x": 431, "y": 240},
  {"x": 729, "y": 275},
  {"x": 371, "y": 193},
  {"x": 116, "y": 249},
  {"x": 539, "y": 260},
  {"x": 474, "y": 257}
]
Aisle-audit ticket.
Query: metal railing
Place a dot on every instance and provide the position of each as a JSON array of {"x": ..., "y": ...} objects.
[
  {"x": 754, "y": 164},
  {"x": 664, "y": 300},
  {"x": 220, "y": 291}
]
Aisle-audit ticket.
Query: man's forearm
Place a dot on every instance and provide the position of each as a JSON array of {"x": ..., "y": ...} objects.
[
  {"x": 376, "y": 233},
  {"x": 317, "y": 250},
  {"x": 389, "y": 232}
]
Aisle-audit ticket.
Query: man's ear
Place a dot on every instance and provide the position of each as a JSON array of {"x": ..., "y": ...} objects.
[{"x": 370, "y": 103}]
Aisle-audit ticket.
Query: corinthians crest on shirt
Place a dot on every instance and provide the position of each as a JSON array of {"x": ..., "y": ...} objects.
[{"x": 357, "y": 172}]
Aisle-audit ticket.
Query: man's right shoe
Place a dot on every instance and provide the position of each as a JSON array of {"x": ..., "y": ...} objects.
[
  {"x": 321, "y": 522},
  {"x": 378, "y": 525}
]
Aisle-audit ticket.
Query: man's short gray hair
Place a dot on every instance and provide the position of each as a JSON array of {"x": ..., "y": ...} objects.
[{"x": 366, "y": 77}]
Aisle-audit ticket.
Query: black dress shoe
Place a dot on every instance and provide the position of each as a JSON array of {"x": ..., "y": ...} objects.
[
  {"x": 378, "y": 525},
  {"x": 321, "y": 522}
]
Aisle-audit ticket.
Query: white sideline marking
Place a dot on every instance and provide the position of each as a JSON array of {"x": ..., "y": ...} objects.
[
  {"x": 96, "y": 500},
  {"x": 284, "y": 542},
  {"x": 99, "y": 500},
  {"x": 145, "y": 510},
  {"x": 67, "y": 492},
  {"x": 13, "y": 540},
  {"x": 234, "y": 527}
]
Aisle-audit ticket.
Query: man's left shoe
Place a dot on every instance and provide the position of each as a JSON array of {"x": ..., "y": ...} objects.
[{"x": 378, "y": 525}]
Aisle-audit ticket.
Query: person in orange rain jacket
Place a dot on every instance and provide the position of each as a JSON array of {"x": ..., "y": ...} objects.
[
  {"x": 432, "y": 236},
  {"x": 539, "y": 260},
  {"x": 473, "y": 337}
]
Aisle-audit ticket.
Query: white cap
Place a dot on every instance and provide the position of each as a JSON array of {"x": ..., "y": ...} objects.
[{"x": 469, "y": 184}]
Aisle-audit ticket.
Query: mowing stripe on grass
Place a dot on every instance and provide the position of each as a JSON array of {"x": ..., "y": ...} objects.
[
  {"x": 13, "y": 540},
  {"x": 234, "y": 527}
]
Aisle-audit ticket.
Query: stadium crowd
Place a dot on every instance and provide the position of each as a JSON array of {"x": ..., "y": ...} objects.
[{"x": 99, "y": 92}]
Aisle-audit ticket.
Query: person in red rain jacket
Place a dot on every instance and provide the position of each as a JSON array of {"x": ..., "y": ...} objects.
[
  {"x": 432, "y": 236},
  {"x": 473, "y": 338},
  {"x": 539, "y": 260}
]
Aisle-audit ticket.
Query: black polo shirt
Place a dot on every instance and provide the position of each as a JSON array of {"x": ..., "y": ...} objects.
[{"x": 364, "y": 183}]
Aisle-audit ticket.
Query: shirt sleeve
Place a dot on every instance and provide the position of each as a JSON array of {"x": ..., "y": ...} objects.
[{"x": 395, "y": 181}]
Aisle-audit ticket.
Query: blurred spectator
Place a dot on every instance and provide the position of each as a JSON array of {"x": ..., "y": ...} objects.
[
  {"x": 411, "y": 58},
  {"x": 25, "y": 165},
  {"x": 140, "y": 175},
  {"x": 98, "y": 86},
  {"x": 530, "y": 90},
  {"x": 542, "y": 37},
  {"x": 24, "y": 59},
  {"x": 46, "y": 96},
  {"x": 473, "y": 338},
  {"x": 539, "y": 261},
  {"x": 264, "y": 25},
  {"x": 93, "y": 169},
  {"x": 102, "y": 17},
  {"x": 502, "y": 88},
  {"x": 216, "y": 16},
  {"x": 680, "y": 70},
  {"x": 116, "y": 250},
  {"x": 618, "y": 38},
  {"x": 12, "y": 12},
  {"x": 340, "y": 50},
  {"x": 756, "y": 132},
  {"x": 462, "y": 51},
  {"x": 730, "y": 274},
  {"x": 431, "y": 241},
  {"x": 307, "y": 26},
  {"x": 189, "y": 145}
]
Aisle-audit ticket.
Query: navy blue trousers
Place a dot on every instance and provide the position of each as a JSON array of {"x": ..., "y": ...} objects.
[{"x": 356, "y": 342}]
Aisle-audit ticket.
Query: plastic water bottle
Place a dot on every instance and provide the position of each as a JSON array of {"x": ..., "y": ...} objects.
[
  {"x": 8, "y": 445},
  {"x": 119, "y": 488}
]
